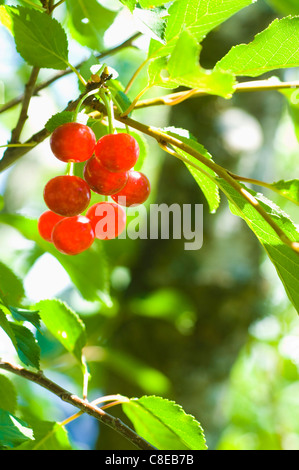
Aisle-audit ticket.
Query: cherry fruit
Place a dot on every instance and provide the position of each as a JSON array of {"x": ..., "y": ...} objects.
[
  {"x": 73, "y": 235},
  {"x": 67, "y": 195},
  {"x": 108, "y": 220},
  {"x": 117, "y": 152},
  {"x": 101, "y": 180},
  {"x": 73, "y": 142},
  {"x": 46, "y": 224},
  {"x": 136, "y": 190}
]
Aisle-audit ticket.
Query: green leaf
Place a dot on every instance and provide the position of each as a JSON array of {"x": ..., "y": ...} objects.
[
  {"x": 207, "y": 185},
  {"x": 6, "y": 326},
  {"x": 151, "y": 3},
  {"x": 129, "y": 4},
  {"x": 164, "y": 424},
  {"x": 117, "y": 90},
  {"x": 22, "y": 339},
  {"x": 39, "y": 38},
  {"x": 33, "y": 3},
  {"x": 13, "y": 431},
  {"x": 274, "y": 48},
  {"x": 64, "y": 324},
  {"x": 11, "y": 287},
  {"x": 8, "y": 394},
  {"x": 184, "y": 69},
  {"x": 88, "y": 270},
  {"x": 158, "y": 74},
  {"x": 198, "y": 17},
  {"x": 288, "y": 189},
  {"x": 26, "y": 345},
  {"x": 59, "y": 119},
  {"x": 291, "y": 96},
  {"x": 22, "y": 314},
  {"x": 151, "y": 22},
  {"x": 88, "y": 22},
  {"x": 285, "y": 260},
  {"x": 47, "y": 436}
]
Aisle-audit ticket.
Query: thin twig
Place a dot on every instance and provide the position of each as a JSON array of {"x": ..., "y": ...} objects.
[
  {"x": 130, "y": 83},
  {"x": 84, "y": 406},
  {"x": 57, "y": 4},
  {"x": 172, "y": 99}
]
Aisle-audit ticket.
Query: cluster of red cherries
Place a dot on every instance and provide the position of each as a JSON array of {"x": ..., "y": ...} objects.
[{"x": 108, "y": 171}]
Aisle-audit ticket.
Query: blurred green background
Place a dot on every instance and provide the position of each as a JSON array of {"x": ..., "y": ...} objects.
[{"x": 211, "y": 329}]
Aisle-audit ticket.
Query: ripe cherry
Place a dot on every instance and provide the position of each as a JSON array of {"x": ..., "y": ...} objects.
[
  {"x": 135, "y": 192},
  {"x": 67, "y": 195},
  {"x": 108, "y": 220},
  {"x": 117, "y": 152},
  {"x": 73, "y": 142},
  {"x": 101, "y": 180},
  {"x": 73, "y": 235},
  {"x": 46, "y": 223}
]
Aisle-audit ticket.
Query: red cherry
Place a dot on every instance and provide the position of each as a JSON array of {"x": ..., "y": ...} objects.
[
  {"x": 135, "y": 192},
  {"x": 117, "y": 152},
  {"x": 108, "y": 220},
  {"x": 46, "y": 223},
  {"x": 72, "y": 235},
  {"x": 67, "y": 195},
  {"x": 101, "y": 180},
  {"x": 73, "y": 142}
]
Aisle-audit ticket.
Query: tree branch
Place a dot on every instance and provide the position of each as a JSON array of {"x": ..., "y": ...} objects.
[
  {"x": 63, "y": 73},
  {"x": 29, "y": 88},
  {"x": 162, "y": 139},
  {"x": 15, "y": 153},
  {"x": 82, "y": 405}
]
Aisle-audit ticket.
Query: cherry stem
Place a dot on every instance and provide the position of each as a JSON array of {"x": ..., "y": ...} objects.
[
  {"x": 82, "y": 80},
  {"x": 134, "y": 102},
  {"x": 81, "y": 101},
  {"x": 110, "y": 110},
  {"x": 70, "y": 168},
  {"x": 135, "y": 75}
]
